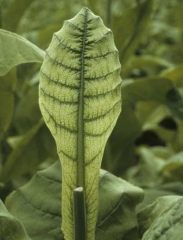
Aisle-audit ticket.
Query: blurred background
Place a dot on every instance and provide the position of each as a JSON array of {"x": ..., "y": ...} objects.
[{"x": 146, "y": 146}]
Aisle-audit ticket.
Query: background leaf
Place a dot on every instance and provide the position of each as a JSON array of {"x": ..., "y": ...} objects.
[
  {"x": 128, "y": 128},
  {"x": 16, "y": 50},
  {"x": 7, "y": 89},
  {"x": 16, "y": 9},
  {"x": 150, "y": 35},
  {"x": 132, "y": 28},
  {"x": 40, "y": 199},
  {"x": 150, "y": 213},
  {"x": 15, "y": 164},
  {"x": 168, "y": 225},
  {"x": 10, "y": 227}
]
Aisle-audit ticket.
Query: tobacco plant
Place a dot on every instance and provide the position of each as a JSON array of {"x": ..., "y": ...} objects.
[{"x": 80, "y": 100}]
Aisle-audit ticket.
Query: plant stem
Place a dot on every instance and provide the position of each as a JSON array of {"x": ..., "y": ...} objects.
[
  {"x": 109, "y": 2},
  {"x": 79, "y": 214}
]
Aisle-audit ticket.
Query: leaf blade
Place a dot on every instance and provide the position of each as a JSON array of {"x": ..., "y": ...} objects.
[
  {"x": 116, "y": 196},
  {"x": 80, "y": 99},
  {"x": 11, "y": 228},
  {"x": 16, "y": 50}
]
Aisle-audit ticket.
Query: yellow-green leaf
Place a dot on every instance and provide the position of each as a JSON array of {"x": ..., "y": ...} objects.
[{"x": 80, "y": 99}]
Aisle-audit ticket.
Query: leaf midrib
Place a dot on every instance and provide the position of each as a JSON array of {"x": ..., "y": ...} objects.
[{"x": 80, "y": 140}]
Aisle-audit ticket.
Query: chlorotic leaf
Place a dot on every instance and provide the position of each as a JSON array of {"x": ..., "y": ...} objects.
[{"x": 80, "y": 99}]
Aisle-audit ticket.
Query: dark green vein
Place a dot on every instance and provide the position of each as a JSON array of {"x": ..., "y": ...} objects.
[
  {"x": 67, "y": 155},
  {"x": 93, "y": 19},
  {"x": 58, "y": 124},
  {"x": 101, "y": 56},
  {"x": 46, "y": 212},
  {"x": 103, "y": 76},
  {"x": 112, "y": 211},
  {"x": 103, "y": 115},
  {"x": 99, "y": 134},
  {"x": 66, "y": 46},
  {"x": 91, "y": 28},
  {"x": 104, "y": 36},
  {"x": 74, "y": 26},
  {"x": 80, "y": 140},
  {"x": 88, "y": 163},
  {"x": 58, "y": 83},
  {"x": 52, "y": 180},
  {"x": 92, "y": 203},
  {"x": 61, "y": 64},
  {"x": 103, "y": 94},
  {"x": 57, "y": 100}
]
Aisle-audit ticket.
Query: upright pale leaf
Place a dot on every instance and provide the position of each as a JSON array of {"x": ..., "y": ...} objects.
[{"x": 80, "y": 99}]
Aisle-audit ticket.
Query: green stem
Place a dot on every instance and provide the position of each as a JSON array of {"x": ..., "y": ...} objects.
[
  {"x": 1, "y": 5},
  {"x": 109, "y": 3},
  {"x": 79, "y": 214}
]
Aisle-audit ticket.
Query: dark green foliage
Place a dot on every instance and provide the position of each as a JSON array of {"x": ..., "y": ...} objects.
[
  {"x": 146, "y": 146},
  {"x": 117, "y": 201}
]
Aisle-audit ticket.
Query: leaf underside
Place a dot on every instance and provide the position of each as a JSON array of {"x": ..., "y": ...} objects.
[{"x": 80, "y": 99}]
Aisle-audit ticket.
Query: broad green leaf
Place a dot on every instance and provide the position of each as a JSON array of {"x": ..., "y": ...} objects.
[
  {"x": 162, "y": 152},
  {"x": 173, "y": 167},
  {"x": 152, "y": 193},
  {"x": 164, "y": 134},
  {"x": 177, "y": 145},
  {"x": 174, "y": 101},
  {"x": 39, "y": 201},
  {"x": 131, "y": 24},
  {"x": 150, "y": 113},
  {"x": 7, "y": 88},
  {"x": 157, "y": 89},
  {"x": 150, "y": 64},
  {"x": 168, "y": 225},
  {"x": 80, "y": 99},
  {"x": 16, "y": 50},
  {"x": 150, "y": 213},
  {"x": 146, "y": 172},
  {"x": 152, "y": 119},
  {"x": 10, "y": 227},
  {"x": 175, "y": 74},
  {"x": 128, "y": 127},
  {"x": 27, "y": 112},
  {"x": 144, "y": 89},
  {"x": 121, "y": 221},
  {"x": 121, "y": 144}
]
